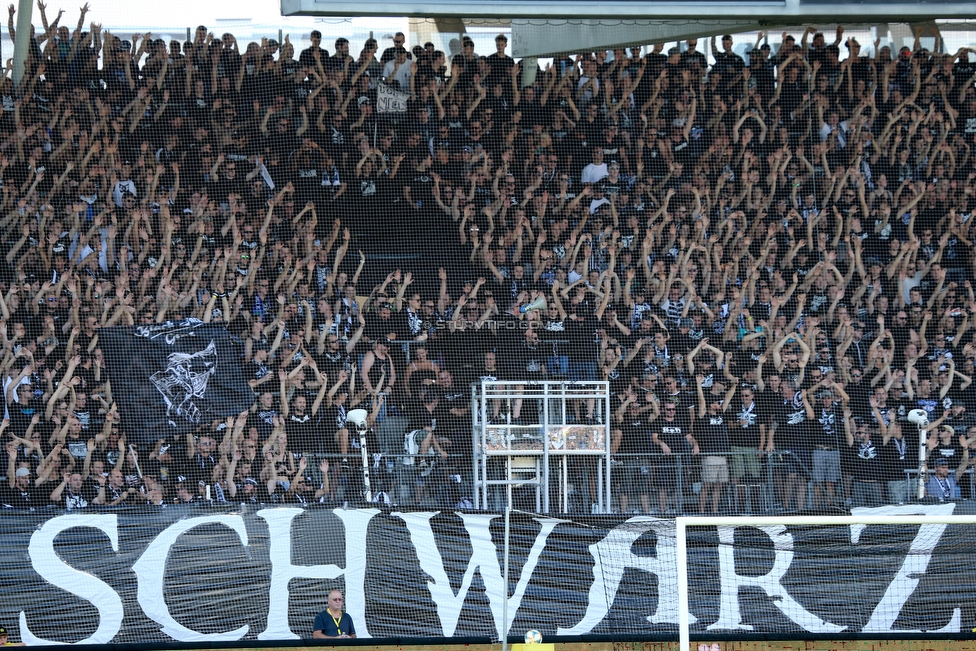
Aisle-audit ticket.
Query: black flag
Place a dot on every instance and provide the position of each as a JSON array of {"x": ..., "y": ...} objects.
[{"x": 170, "y": 378}]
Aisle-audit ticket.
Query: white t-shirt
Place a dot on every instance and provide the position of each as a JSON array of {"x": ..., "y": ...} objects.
[
  {"x": 593, "y": 173},
  {"x": 402, "y": 76}
]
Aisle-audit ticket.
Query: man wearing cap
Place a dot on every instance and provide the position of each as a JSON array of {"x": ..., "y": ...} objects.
[
  {"x": 629, "y": 439},
  {"x": 672, "y": 64},
  {"x": 942, "y": 485},
  {"x": 20, "y": 494},
  {"x": 826, "y": 447},
  {"x": 383, "y": 321},
  {"x": 332, "y": 622},
  {"x": 246, "y": 492},
  {"x": 3, "y": 639},
  {"x": 184, "y": 491}
]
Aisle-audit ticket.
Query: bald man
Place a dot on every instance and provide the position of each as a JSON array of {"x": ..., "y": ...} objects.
[{"x": 332, "y": 622}]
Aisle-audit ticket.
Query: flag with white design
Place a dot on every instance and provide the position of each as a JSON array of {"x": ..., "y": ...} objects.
[{"x": 173, "y": 377}]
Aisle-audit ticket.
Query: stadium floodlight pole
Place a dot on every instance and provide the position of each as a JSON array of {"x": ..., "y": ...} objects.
[
  {"x": 508, "y": 516},
  {"x": 22, "y": 40},
  {"x": 681, "y": 542}
]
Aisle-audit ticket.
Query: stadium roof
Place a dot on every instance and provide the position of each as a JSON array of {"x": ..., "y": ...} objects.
[{"x": 550, "y": 27}]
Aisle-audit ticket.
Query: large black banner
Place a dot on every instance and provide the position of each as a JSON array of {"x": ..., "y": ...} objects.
[
  {"x": 170, "y": 378},
  {"x": 196, "y": 573}
]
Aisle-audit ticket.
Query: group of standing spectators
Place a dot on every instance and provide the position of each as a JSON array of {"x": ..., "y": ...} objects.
[{"x": 770, "y": 264}]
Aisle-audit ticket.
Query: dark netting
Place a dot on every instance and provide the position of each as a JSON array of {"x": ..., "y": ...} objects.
[{"x": 643, "y": 282}]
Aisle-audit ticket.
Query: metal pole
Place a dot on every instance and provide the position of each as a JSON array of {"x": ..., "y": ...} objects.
[
  {"x": 508, "y": 511},
  {"x": 22, "y": 40},
  {"x": 608, "y": 508},
  {"x": 483, "y": 452},
  {"x": 681, "y": 543},
  {"x": 923, "y": 469},
  {"x": 545, "y": 447},
  {"x": 475, "y": 487}
]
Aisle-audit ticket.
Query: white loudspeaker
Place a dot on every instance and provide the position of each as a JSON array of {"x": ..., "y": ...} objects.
[{"x": 538, "y": 304}]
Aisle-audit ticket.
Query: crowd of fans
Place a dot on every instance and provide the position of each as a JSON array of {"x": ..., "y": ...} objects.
[{"x": 769, "y": 263}]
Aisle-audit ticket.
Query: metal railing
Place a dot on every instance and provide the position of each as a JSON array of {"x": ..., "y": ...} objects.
[{"x": 532, "y": 435}]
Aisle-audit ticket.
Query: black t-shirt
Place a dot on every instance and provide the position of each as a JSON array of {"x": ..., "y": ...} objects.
[
  {"x": 681, "y": 344},
  {"x": 80, "y": 500},
  {"x": 673, "y": 433},
  {"x": 21, "y": 415},
  {"x": 828, "y": 429},
  {"x": 744, "y": 431},
  {"x": 866, "y": 461},
  {"x": 333, "y": 419},
  {"x": 860, "y": 394},
  {"x": 581, "y": 333},
  {"x": 527, "y": 362},
  {"x": 500, "y": 66},
  {"x": 635, "y": 438},
  {"x": 378, "y": 327},
  {"x": 713, "y": 433},
  {"x": 950, "y": 450},
  {"x": 200, "y": 467},
  {"x": 898, "y": 455},
  {"x": 301, "y": 433},
  {"x": 15, "y": 498},
  {"x": 792, "y": 425},
  {"x": 420, "y": 417},
  {"x": 769, "y": 402},
  {"x": 452, "y": 399}
]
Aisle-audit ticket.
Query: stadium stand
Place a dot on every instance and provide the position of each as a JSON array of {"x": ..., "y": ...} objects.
[{"x": 771, "y": 264}]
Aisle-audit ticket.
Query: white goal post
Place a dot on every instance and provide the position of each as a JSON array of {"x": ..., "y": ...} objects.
[{"x": 681, "y": 542}]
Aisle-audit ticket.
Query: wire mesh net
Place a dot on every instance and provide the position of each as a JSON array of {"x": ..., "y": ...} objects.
[
  {"x": 270, "y": 273},
  {"x": 251, "y": 242}
]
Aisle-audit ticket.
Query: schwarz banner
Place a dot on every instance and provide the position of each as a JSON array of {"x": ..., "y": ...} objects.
[
  {"x": 196, "y": 573},
  {"x": 171, "y": 377}
]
